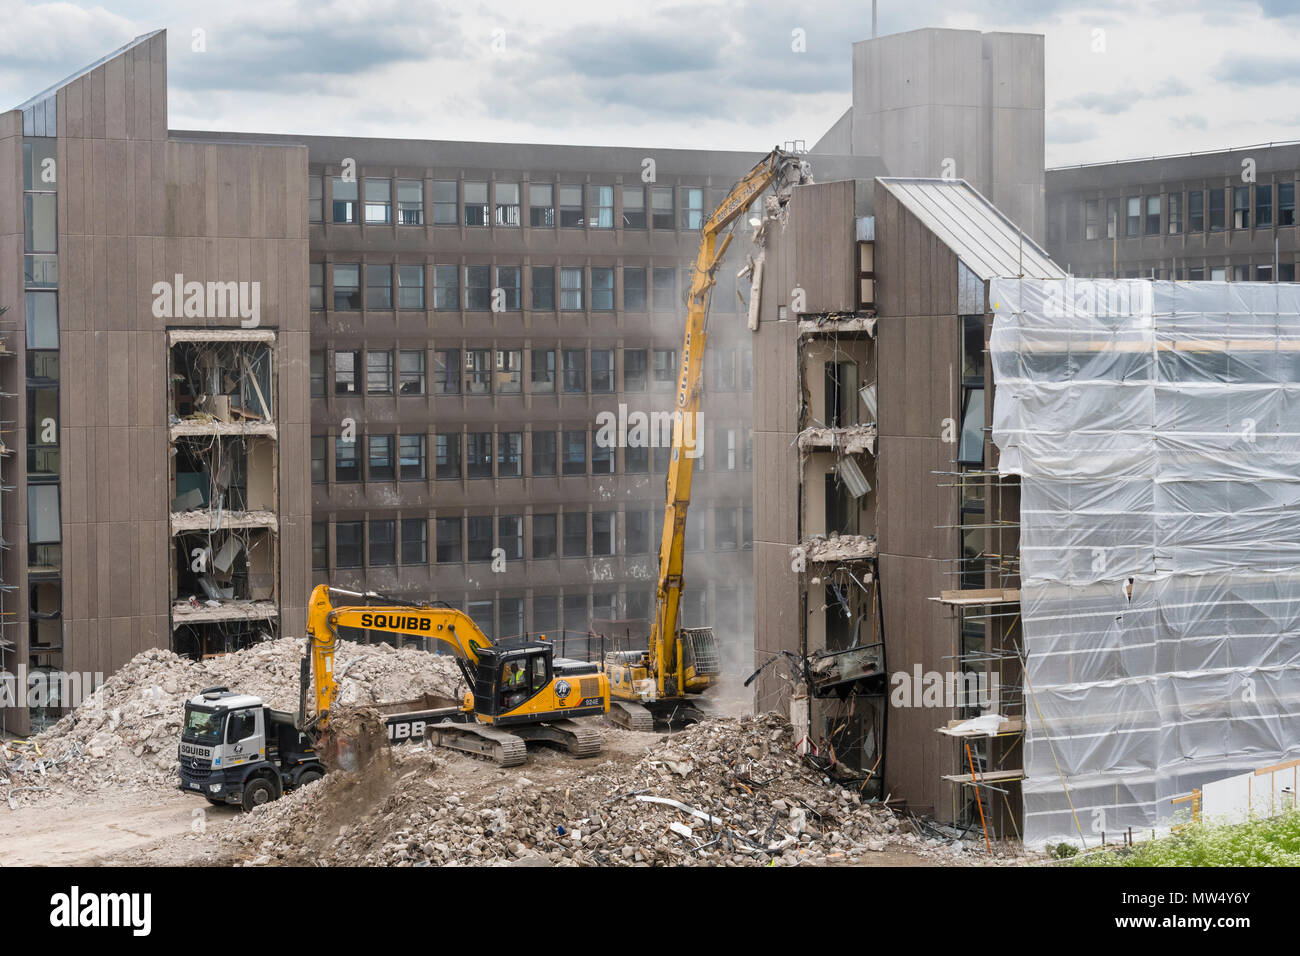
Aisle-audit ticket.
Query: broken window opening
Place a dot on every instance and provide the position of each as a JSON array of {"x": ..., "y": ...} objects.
[
  {"x": 222, "y": 381},
  {"x": 215, "y": 568},
  {"x": 221, "y": 474}
]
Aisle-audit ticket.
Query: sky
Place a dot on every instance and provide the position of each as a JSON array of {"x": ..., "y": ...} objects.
[{"x": 1125, "y": 78}]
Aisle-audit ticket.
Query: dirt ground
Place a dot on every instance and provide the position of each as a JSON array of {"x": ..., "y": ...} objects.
[{"x": 177, "y": 829}]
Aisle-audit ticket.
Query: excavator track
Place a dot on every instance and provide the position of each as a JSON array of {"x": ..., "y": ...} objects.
[
  {"x": 577, "y": 739},
  {"x": 505, "y": 749},
  {"x": 631, "y": 716}
]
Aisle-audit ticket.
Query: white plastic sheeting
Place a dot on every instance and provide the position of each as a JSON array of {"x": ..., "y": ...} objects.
[{"x": 1156, "y": 429}]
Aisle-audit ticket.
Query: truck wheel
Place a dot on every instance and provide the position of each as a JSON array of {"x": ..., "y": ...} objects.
[
  {"x": 257, "y": 792},
  {"x": 309, "y": 776}
]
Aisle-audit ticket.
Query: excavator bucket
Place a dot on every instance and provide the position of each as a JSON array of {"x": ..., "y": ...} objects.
[{"x": 356, "y": 741}]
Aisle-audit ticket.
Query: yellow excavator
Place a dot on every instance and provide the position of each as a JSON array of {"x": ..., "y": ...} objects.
[
  {"x": 662, "y": 683},
  {"x": 236, "y": 749}
]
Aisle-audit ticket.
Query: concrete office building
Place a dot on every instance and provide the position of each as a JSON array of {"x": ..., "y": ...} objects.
[
  {"x": 160, "y": 485},
  {"x": 1228, "y": 214}
]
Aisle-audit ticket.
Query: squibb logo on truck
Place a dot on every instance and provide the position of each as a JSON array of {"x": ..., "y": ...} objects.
[
  {"x": 398, "y": 622},
  {"x": 190, "y": 750},
  {"x": 76, "y": 909}
]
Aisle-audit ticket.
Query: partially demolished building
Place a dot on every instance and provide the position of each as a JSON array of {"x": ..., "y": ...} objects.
[{"x": 163, "y": 417}]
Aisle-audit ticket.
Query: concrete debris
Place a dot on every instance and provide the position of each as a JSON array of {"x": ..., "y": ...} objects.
[
  {"x": 725, "y": 792},
  {"x": 850, "y": 440},
  {"x": 125, "y": 735},
  {"x": 839, "y": 547},
  {"x": 837, "y": 322}
]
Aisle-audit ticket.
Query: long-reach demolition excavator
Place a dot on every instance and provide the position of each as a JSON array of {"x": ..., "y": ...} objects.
[
  {"x": 662, "y": 683},
  {"x": 235, "y": 749}
]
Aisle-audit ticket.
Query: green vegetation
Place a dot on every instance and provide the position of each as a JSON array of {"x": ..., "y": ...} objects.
[{"x": 1271, "y": 842}]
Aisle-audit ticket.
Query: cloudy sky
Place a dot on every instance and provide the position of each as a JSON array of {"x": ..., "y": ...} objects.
[{"x": 1125, "y": 78}]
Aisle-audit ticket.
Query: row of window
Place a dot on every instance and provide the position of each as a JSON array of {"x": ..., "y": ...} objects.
[
  {"x": 486, "y": 288},
  {"x": 481, "y": 203},
  {"x": 503, "y": 371},
  {"x": 1241, "y": 272},
  {"x": 1214, "y": 210},
  {"x": 387, "y": 542},
  {"x": 457, "y": 455}
]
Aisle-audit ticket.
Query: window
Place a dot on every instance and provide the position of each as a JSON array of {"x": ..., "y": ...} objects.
[
  {"x": 379, "y": 201},
  {"x": 571, "y": 206},
  {"x": 316, "y": 285},
  {"x": 315, "y": 199},
  {"x": 542, "y": 374},
  {"x": 726, "y": 536},
  {"x": 478, "y": 455},
  {"x": 42, "y": 213},
  {"x": 633, "y": 290},
  {"x": 446, "y": 449},
  {"x": 446, "y": 372},
  {"x": 971, "y": 450},
  {"x": 692, "y": 208},
  {"x": 575, "y": 453},
  {"x": 1112, "y": 218},
  {"x": 347, "y": 288},
  {"x": 1241, "y": 273},
  {"x": 664, "y": 369},
  {"x": 415, "y": 541},
  {"x": 1241, "y": 207},
  {"x": 541, "y": 206},
  {"x": 1286, "y": 272},
  {"x": 445, "y": 203},
  {"x": 320, "y": 542},
  {"x": 724, "y": 448},
  {"x": 638, "y": 532},
  {"x": 478, "y": 531},
  {"x": 602, "y": 207},
  {"x": 1175, "y": 214},
  {"x": 1263, "y": 205},
  {"x": 42, "y": 319},
  {"x": 317, "y": 374},
  {"x": 571, "y": 289},
  {"x": 379, "y": 287},
  {"x": 478, "y": 288},
  {"x": 746, "y": 370},
  {"x": 636, "y": 460},
  {"x": 410, "y": 204},
  {"x": 512, "y": 616},
  {"x": 380, "y": 466},
  {"x": 602, "y": 533},
  {"x": 661, "y": 198},
  {"x": 345, "y": 200},
  {"x": 347, "y": 544},
  {"x": 318, "y": 469},
  {"x": 1153, "y": 216},
  {"x": 510, "y": 281},
  {"x": 446, "y": 288},
  {"x": 411, "y": 371},
  {"x": 478, "y": 371},
  {"x": 665, "y": 290},
  {"x": 448, "y": 540},
  {"x": 1091, "y": 219},
  {"x": 634, "y": 370},
  {"x": 544, "y": 453},
  {"x": 1196, "y": 211},
  {"x": 510, "y": 454},
  {"x": 602, "y": 456},
  {"x": 575, "y": 370},
  {"x": 411, "y": 456},
  {"x": 510, "y": 536},
  {"x": 1196, "y": 274},
  {"x": 1286, "y": 204},
  {"x": 346, "y": 465},
  {"x": 346, "y": 366},
  {"x": 747, "y": 528},
  {"x": 476, "y": 204},
  {"x": 1264, "y": 273},
  {"x": 509, "y": 371},
  {"x": 410, "y": 287},
  {"x": 602, "y": 370},
  {"x": 1133, "y": 219},
  {"x": 507, "y": 206},
  {"x": 723, "y": 370},
  {"x": 634, "y": 207},
  {"x": 379, "y": 373},
  {"x": 383, "y": 542},
  {"x": 1217, "y": 211},
  {"x": 544, "y": 537},
  {"x": 602, "y": 289},
  {"x": 575, "y": 612},
  {"x": 575, "y": 534},
  {"x": 543, "y": 288}
]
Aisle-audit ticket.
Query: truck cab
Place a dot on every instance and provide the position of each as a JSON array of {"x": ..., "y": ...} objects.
[{"x": 234, "y": 749}]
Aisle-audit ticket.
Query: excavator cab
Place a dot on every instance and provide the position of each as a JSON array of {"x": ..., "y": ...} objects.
[{"x": 528, "y": 682}]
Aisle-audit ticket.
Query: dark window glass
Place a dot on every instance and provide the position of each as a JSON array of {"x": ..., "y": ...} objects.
[
  {"x": 575, "y": 453},
  {"x": 543, "y": 288},
  {"x": 383, "y": 542},
  {"x": 542, "y": 372},
  {"x": 544, "y": 536},
  {"x": 448, "y": 540},
  {"x": 447, "y": 455},
  {"x": 543, "y": 453},
  {"x": 575, "y": 534},
  {"x": 347, "y": 544},
  {"x": 478, "y": 455},
  {"x": 415, "y": 541}
]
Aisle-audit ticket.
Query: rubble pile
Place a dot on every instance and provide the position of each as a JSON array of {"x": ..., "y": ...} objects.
[
  {"x": 725, "y": 792},
  {"x": 125, "y": 735}
]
